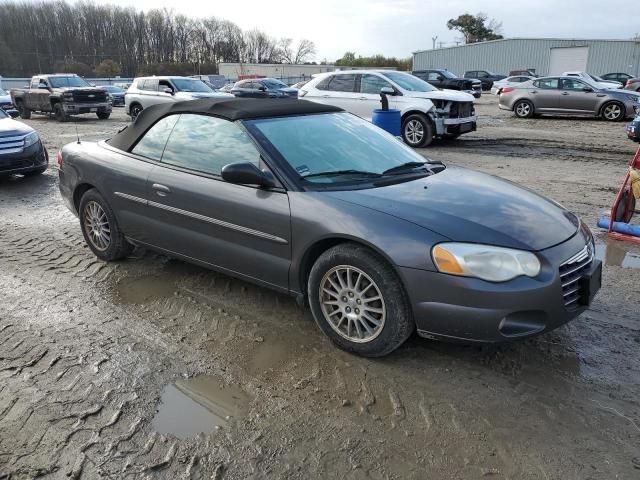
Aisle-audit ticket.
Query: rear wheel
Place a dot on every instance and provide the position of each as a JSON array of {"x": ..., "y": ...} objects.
[
  {"x": 59, "y": 113},
  {"x": 613, "y": 112},
  {"x": 523, "y": 109},
  {"x": 25, "y": 113},
  {"x": 100, "y": 228},
  {"x": 358, "y": 301},
  {"x": 417, "y": 130}
]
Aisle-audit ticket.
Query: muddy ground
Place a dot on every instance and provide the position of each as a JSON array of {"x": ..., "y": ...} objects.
[{"x": 87, "y": 351}]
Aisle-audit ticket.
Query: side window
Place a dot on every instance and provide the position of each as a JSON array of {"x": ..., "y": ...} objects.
[
  {"x": 571, "y": 84},
  {"x": 206, "y": 144},
  {"x": 343, "y": 83},
  {"x": 372, "y": 84},
  {"x": 324, "y": 83},
  {"x": 162, "y": 84},
  {"x": 482, "y": 75},
  {"x": 150, "y": 84},
  {"x": 547, "y": 84},
  {"x": 35, "y": 82},
  {"x": 153, "y": 142},
  {"x": 433, "y": 76}
]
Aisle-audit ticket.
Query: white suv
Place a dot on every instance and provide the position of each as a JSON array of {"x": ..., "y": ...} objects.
[
  {"x": 427, "y": 112},
  {"x": 147, "y": 91}
]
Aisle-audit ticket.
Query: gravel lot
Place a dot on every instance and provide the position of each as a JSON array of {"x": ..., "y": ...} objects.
[{"x": 88, "y": 349}]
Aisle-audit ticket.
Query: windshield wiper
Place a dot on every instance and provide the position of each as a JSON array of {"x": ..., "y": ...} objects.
[
  {"x": 407, "y": 167},
  {"x": 342, "y": 172}
]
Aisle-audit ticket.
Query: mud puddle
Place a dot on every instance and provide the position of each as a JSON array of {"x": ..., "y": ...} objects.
[
  {"x": 614, "y": 255},
  {"x": 201, "y": 404},
  {"x": 137, "y": 290}
]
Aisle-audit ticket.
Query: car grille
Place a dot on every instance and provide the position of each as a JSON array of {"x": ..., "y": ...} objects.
[
  {"x": 89, "y": 97},
  {"x": 570, "y": 273},
  {"x": 14, "y": 144},
  {"x": 461, "y": 110}
]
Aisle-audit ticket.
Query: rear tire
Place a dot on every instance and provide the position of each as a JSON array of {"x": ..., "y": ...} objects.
[
  {"x": 358, "y": 301},
  {"x": 613, "y": 112},
  {"x": 100, "y": 228},
  {"x": 523, "y": 109},
  {"x": 417, "y": 130},
  {"x": 59, "y": 113},
  {"x": 25, "y": 113}
]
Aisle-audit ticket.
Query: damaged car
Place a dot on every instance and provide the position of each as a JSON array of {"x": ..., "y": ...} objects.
[
  {"x": 427, "y": 112},
  {"x": 317, "y": 203}
]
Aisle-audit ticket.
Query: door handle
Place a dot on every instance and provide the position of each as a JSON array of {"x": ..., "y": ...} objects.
[
  {"x": 565, "y": 93},
  {"x": 362, "y": 98},
  {"x": 325, "y": 96},
  {"x": 534, "y": 91},
  {"x": 161, "y": 190}
]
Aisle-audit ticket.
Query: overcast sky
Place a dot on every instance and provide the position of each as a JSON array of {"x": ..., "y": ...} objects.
[{"x": 399, "y": 27}]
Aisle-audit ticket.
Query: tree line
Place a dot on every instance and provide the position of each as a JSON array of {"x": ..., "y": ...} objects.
[{"x": 108, "y": 40}]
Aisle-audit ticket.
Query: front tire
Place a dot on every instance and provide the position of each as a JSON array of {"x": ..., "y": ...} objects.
[
  {"x": 103, "y": 115},
  {"x": 358, "y": 301},
  {"x": 59, "y": 113},
  {"x": 25, "y": 113},
  {"x": 135, "y": 110},
  {"x": 613, "y": 112},
  {"x": 523, "y": 109},
  {"x": 417, "y": 130},
  {"x": 100, "y": 228}
]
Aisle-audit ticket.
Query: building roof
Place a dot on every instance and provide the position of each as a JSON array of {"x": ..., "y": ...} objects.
[
  {"x": 532, "y": 39},
  {"x": 230, "y": 109}
]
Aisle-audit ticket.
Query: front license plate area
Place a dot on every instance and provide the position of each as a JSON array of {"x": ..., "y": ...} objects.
[
  {"x": 465, "y": 127},
  {"x": 590, "y": 283}
]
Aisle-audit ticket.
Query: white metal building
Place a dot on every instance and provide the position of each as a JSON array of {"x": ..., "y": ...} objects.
[
  {"x": 279, "y": 70},
  {"x": 548, "y": 56}
]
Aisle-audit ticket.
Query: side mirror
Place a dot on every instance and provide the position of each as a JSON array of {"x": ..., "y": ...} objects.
[
  {"x": 387, "y": 91},
  {"x": 440, "y": 78},
  {"x": 14, "y": 113},
  {"x": 167, "y": 90},
  {"x": 246, "y": 173},
  {"x": 587, "y": 89}
]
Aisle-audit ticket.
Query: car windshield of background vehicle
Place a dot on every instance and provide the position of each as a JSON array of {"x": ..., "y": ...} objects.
[
  {"x": 334, "y": 142},
  {"x": 274, "y": 84},
  {"x": 448, "y": 74},
  {"x": 112, "y": 89},
  {"x": 190, "y": 85},
  {"x": 3, "y": 92},
  {"x": 61, "y": 82},
  {"x": 3, "y": 114},
  {"x": 409, "y": 82}
]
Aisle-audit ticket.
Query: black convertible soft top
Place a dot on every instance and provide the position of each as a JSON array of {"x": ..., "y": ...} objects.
[{"x": 229, "y": 108}]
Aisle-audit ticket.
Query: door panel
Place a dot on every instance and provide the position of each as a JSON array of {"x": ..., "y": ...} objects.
[
  {"x": 545, "y": 95},
  {"x": 574, "y": 100},
  {"x": 238, "y": 228}
]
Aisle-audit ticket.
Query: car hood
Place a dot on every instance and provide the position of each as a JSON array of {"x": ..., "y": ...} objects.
[
  {"x": 5, "y": 98},
  {"x": 10, "y": 127},
  {"x": 451, "y": 95},
  {"x": 80, "y": 89},
  {"x": 469, "y": 206},
  {"x": 193, "y": 95}
]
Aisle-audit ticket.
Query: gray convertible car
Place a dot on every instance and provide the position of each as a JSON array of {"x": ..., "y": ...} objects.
[{"x": 310, "y": 200}]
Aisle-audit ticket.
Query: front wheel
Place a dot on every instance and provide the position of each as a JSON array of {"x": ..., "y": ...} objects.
[
  {"x": 103, "y": 115},
  {"x": 523, "y": 109},
  {"x": 358, "y": 301},
  {"x": 25, "y": 113},
  {"x": 613, "y": 112},
  {"x": 135, "y": 110},
  {"x": 100, "y": 228},
  {"x": 417, "y": 130},
  {"x": 59, "y": 113}
]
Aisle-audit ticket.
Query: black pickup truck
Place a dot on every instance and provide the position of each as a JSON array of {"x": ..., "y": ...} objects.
[
  {"x": 445, "y": 79},
  {"x": 63, "y": 95}
]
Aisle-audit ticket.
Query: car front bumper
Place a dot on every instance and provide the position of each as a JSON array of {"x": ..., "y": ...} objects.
[
  {"x": 80, "y": 108},
  {"x": 31, "y": 158},
  {"x": 473, "y": 310}
]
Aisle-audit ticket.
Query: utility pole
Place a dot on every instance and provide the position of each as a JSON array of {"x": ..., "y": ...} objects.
[
  {"x": 440, "y": 44},
  {"x": 433, "y": 39}
]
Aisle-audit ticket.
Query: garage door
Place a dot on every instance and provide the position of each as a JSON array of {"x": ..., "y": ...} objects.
[{"x": 565, "y": 59}]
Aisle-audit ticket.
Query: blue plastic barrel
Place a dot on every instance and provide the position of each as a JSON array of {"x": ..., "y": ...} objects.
[
  {"x": 620, "y": 227},
  {"x": 388, "y": 120}
]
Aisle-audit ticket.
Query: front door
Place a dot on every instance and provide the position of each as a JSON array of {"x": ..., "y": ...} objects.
[
  {"x": 368, "y": 98},
  {"x": 577, "y": 97},
  {"x": 236, "y": 228}
]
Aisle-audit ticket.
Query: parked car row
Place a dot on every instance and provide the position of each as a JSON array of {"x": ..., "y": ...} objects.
[{"x": 450, "y": 81}]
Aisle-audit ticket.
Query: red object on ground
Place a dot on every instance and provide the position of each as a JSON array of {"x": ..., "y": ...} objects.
[{"x": 625, "y": 200}]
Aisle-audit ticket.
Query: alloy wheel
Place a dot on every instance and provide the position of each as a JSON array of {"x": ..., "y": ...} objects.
[
  {"x": 523, "y": 109},
  {"x": 612, "y": 111},
  {"x": 414, "y": 131},
  {"x": 96, "y": 225},
  {"x": 352, "y": 304}
]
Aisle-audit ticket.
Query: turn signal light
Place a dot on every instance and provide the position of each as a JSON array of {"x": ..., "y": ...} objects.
[{"x": 446, "y": 262}]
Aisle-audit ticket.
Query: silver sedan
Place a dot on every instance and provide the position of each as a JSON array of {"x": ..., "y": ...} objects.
[{"x": 569, "y": 96}]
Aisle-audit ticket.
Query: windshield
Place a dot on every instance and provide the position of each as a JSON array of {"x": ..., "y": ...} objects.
[
  {"x": 112, "y": 89},
  {"x": 191, "y": 85},
  {"x": 448, "y": 74},
  {"x": 3, "y": 92},
  {"x": 409, "y": 82},
  {"x": 61, "y": 82},
  {"x": 273, "y": 84},
  {"x": 596, "y": 78},
  {"x": 3, "y": 114},
  {"x": 315, "y": 146}
]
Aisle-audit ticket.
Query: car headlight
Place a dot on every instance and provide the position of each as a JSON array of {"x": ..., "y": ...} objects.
[
  {"x": 31, "y": 139},
  {"x": 494, "y": 264}
]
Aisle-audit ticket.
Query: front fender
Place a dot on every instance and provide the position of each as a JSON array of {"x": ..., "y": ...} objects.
[{"x": 421, "y": 105}]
